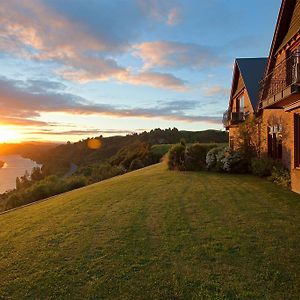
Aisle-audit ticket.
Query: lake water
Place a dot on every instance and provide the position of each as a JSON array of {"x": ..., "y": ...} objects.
[{"x": 15, "y": 166}]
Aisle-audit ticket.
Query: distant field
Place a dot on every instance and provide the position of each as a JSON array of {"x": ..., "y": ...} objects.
[
  {"x": 161, "y": 149},
  {"x": 156, "y": 234}
]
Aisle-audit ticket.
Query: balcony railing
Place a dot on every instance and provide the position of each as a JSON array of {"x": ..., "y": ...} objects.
[
  {"x": 285, "y": 74},
  {"x": 232, "y": 118},
  {"x": 237, "y": 117},
  {"x": 226, "y": 119}
]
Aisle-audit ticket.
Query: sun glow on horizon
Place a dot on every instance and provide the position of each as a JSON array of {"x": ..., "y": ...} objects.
[{"x": 9, "y": 135}]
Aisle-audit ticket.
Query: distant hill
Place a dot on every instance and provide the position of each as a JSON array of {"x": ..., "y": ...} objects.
[
  {"x": 34, "y": 150},
  {"x": 58, "y": 159}
]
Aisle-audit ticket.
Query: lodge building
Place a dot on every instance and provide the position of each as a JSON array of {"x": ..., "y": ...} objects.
[{"x": 270, "y": 90}]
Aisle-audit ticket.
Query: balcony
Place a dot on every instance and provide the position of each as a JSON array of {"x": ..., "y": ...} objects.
[
  {"x": 232, "y": 118},
  {"x": 281, "y": 83}
]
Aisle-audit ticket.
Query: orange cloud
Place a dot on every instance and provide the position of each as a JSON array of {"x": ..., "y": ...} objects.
[
  {"x": 176, "y": 55},
  {"x": 216, "y": 90},
  {"x": 20, "y": 122}
]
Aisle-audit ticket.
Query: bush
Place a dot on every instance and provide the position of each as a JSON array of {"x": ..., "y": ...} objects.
[
  {"x": 262, "y": 166},
  {"x": 212, "y": 158},
  {"x": 221, "y": 156},
  {"x": 235, "y": 163},
  {"x": 281, "y": 176},
  {"x": 176, "y": 157},
  {"x": 196, "y": 156},
  {"x": 226, "y": 160},
  {"x": 136, "y": 164},
  {"x": 75, "y": 182},
  {"x": 104, "y": 171}
]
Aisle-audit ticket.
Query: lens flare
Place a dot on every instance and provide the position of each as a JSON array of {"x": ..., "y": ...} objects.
[{"x": 94, "y": 144}]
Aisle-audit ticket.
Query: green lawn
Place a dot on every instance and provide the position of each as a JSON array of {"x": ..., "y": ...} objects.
[{"x": 156, "y": 234}]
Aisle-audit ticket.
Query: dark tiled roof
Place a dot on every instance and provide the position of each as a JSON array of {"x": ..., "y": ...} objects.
[{"x": 252, "y": 71}]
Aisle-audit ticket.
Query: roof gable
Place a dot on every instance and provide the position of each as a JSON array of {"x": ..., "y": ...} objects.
[
  {"x": 288, "y": 24},
  {"x": 251, "y": 71},
  {"x": 293, "y": 24}
]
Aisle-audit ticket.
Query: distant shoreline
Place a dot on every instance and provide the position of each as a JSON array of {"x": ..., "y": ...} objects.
[{"x": 1, "y": 163}]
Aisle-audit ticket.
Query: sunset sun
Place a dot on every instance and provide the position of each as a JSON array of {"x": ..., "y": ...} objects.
[{"x": 8, "y": 135}]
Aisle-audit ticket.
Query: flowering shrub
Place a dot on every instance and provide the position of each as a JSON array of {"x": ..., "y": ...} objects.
[
  {"x": 226, "y": 160},
  {"x": 212, "y": 158},
  {"x": 233, "y": 162}
]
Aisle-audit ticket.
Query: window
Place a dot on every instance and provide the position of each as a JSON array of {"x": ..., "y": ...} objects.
[
  {"x": 275, "y": 141},
  {"x": 241, "y": 100},
  {"x": 240, "y": 104},
  {"x": 297, "y": 140}
]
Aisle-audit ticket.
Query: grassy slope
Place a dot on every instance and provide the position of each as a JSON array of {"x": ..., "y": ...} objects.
[{"x": 156, "y": 234}]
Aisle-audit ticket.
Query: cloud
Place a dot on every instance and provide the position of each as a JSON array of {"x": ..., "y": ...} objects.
[
  {"x": 174, "y": 16},
  {"x": 36, "y": 31},
  {"x": 19, "y": 101},
  {"x": 166, "y": 11},
  {"x": 157, "y": 79},
  {"x": 216, "y": 90},
  {"x": 94, "y": 132},
  {"x": 176, "y": 55},
  {"x": 20, "y": 122}
]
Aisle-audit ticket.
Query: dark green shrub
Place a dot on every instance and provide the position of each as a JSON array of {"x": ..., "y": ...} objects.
[
  {"x": 39, "y": 191},
  {"x": 104, "y": 171},
  {"x": 281, "y": 176},
  {"x": 176, "y": 157},
  {"x": 195, "y": 158},
  {"x": 262, "y": 166},
  {"x": 136, "y": 164},
  {"x": 183, "y": 142},
  {"x": 75, "y": 182}
]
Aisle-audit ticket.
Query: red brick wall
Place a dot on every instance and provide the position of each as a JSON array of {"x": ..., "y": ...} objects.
[{"x": 279, "y": 116}]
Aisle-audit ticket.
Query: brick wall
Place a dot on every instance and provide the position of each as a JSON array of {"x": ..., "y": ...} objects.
[{"x": 272, "y": 117}]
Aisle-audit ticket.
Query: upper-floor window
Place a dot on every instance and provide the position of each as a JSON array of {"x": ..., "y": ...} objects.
[{"x": 240, "y": 105}]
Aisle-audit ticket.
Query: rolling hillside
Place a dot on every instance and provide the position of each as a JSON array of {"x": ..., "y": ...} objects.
[{"x": 153, "y": 234}]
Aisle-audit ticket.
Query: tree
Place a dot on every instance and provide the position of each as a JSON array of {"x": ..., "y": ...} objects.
[
  {"x": 248, "y": 143},
  {"x": 36, "y": 174}
]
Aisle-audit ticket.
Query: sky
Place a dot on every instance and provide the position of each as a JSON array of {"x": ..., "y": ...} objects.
[{"x": 81, "y": 68}]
